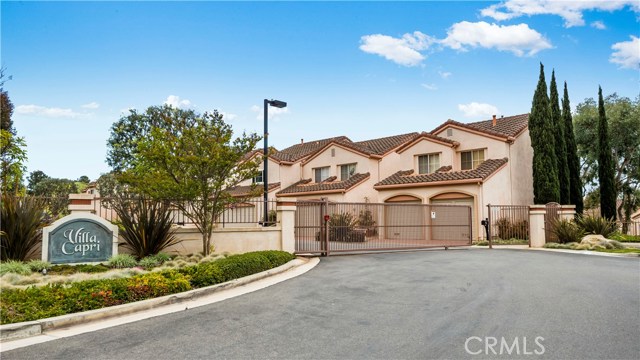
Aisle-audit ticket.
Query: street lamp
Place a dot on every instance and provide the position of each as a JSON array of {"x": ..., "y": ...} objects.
[{"x": 265, "y": 173}]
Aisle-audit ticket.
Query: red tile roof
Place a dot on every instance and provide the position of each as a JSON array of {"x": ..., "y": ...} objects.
[
  {"x": 299, "y": 151},
  {"x": 383, "y": 145},
  {"x": 407, "y": 177},
  {"x": 253, "y": 190},
  {"x": 328, "y": 185},
  {"x": 506, "y": 127}
]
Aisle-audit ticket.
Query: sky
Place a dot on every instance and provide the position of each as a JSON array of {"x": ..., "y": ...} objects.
[{"x": 360, "y": 69}]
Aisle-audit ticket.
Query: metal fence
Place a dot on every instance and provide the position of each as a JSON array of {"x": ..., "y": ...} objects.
[
  {"x": 324, "y": 227},
  {"x": 629, "y": 228},
  {"x": 508, "y": 222},
  {"x": 243, "y": 213}
]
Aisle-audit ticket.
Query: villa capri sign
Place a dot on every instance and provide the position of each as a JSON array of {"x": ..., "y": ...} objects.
[{"x": 79, "y": 238}]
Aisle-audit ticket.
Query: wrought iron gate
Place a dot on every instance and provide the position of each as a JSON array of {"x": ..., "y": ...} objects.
[{"x": 323, "y": 227}]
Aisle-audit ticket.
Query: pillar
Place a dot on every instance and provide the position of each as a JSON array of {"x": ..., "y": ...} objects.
[
  {"x": 536, "y": 225},
  {"x": 287, "y": 216}
]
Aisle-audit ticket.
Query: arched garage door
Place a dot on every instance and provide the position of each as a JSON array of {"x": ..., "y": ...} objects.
[
  {"x": 452, "y": 198},
  {"x": 404, "y": 222}
]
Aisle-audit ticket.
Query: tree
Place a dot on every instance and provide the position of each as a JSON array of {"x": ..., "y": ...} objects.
[
  {"x": 84, "y": 179},
  {"x": 606, "y": 174},
  {"x": 561, "y": 146},
  {"x": 6, "y": 107},
  {"x": 177, "y": 154},
  {"x": 541, "y": 130},
  {"x": 35, "y": 177},
  {"x": 13, "y": 155},
  {"x": 573, "y": 162},
  {"x": 57, "y": 193}
]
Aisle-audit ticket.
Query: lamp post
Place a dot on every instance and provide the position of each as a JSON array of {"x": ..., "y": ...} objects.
[{"x": 265, "y": 172}]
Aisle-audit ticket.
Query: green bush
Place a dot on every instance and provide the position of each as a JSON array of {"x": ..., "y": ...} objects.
[
  {"x": 162, "y": 257},
  {"x": 16, "y": 267},
  {"x": 66, "y": 269},
  {"x": 624, "y": 237},
  {"x": 567, "y": 231},
  {"x": 146, "y": 225},
  {"x": 122, "y": 261},
  {"x": 39, "y": 265},
  {"x": 596, "y": 225},
  {"x": 512, "y": 230},
  {"x": 21, "y": 223},
  {"x": 149, "y": 262},
  {"x": 55, "y": 299}
]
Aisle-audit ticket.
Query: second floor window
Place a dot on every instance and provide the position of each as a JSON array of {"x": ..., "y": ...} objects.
[
  {"x": 258, "y": 178},
  {"x": 428, "y": 164},
  {"x": 320, "y": 174},
  {"x": 347, "y": 171},
  {"x": 470, "y": 160}
]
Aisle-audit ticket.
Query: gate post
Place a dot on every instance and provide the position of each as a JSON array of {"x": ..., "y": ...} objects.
[
  {"x": 287, "y": 215},
  {"x": 324, "y": 232},
  {"x": 490, "y": 238},
  {"x": 536, "y": 225}
]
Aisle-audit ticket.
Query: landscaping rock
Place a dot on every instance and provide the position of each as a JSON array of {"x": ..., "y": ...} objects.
[{"x": 599, "y": 240}]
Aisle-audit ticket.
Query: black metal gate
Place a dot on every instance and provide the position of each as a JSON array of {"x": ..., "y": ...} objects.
[{"x": 323, "y": 227}]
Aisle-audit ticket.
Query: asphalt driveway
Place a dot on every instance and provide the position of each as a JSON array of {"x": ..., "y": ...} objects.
[{"x": 416, "y": 305}]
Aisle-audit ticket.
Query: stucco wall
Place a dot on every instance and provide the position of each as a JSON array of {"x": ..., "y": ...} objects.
[
  {"x": 341, "y": 156},
  {"x": 495, "y": 149},
  {"x": 408, "y": 159},
  {"x": 521, "y": 162},
  {"x": 232, "y": 240}
]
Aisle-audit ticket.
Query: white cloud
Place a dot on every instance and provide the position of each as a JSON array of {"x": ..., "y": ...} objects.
[
  {"x": 444, "y": 74},
  {"x": 52, "y": 112},
  {"x": 429, "y": 86},
  {"x": 627, "y": 53},
  {"x": 91, "y": 105},
  {"x": 273, "y": 111},
  {"x": 570, "y": 11},
  {"x": 475, "y": 109},
  {"x": 176, "y": 102},
  {"x": 228, "y": 116},
  {"x": 518, "y": 39},
  {"x": 403, "y": 51},
  {"x": 598, "y": 25}
]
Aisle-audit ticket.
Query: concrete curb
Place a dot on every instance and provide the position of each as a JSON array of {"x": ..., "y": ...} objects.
[
  {"x": 566, "y": 251},
  {"x": 16, "y": 331}
]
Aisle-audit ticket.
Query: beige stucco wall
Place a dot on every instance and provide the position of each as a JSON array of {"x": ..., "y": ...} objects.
[
  {"x": 521, "y": 168},
  {"x": 231, "y": 240},
  {"x": 342, "y": 156},
  {"x": 408, "y": 159}
]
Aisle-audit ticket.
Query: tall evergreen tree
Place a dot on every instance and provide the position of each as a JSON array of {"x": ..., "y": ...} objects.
[
  {"x": 546, "y": 187},
  {"x": 606, "y": 172},
  {"x": 573, "y": 162},
  {"x": 561, "y": 146}
]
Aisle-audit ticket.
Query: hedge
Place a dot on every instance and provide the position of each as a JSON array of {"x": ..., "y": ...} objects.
[{"x": 51, "y": 300}]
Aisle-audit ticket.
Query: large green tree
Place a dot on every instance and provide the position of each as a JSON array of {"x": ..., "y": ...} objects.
[
  {"x": 35, "y": 177},
  {"x": 561, "y": 146},
  {"x": 6, "y": 107},
  {"x": 573, "y": 162},
  {"x": 623, "y": 118},
  {"x": 546, "y": 187},
  {"x": 189, "y": 158},
  {"x": 13, "y": 153},
  {"x": 606, "y": 172}
]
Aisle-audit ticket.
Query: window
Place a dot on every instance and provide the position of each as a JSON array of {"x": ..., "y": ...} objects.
[
  {"x": 320, "y": 174},
  {"x": 471, "y": 159},
  {"x": 258, "y": 178},
  {"x": 428, "y": 164},
  {"x": 347, "y": 171}
]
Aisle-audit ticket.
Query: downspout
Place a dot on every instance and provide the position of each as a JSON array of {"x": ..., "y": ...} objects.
[{"x": 510, "y": 176}]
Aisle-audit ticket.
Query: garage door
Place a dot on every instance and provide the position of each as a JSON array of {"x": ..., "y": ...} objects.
[
  {"x": 404, "y": 222},
  {"x": 448, "y": 215}
]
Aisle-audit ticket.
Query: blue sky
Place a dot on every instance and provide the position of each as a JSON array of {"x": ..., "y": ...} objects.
[{"x": 360, "y": 69}]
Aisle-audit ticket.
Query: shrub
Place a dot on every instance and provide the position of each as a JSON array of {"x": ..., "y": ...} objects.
[
  {"x": 65, "y": 269},
  {"x": 149, "y": 262},
  {"x": 366, "y": 221},
  {"x": 39, "y": 265},
  {"x": 566, "y": 231},
  {"x": 21, "y": 221},
  {"x": 596, "y": 225},
  {"x": 16, "y": 267},
  {"x": 146, "y": 225},
  {"x": 162, "y": 257},
  {"x": 624, "y": 237},
  {"x": 512, "y": 230},
  {"x": 122, "y": 261}
]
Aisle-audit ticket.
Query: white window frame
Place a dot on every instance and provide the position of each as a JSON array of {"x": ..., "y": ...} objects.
[
  {"x": 477, "y": 158},
  {"x": 321, "y": 174},
  {"x": 432, "y": 163},
  {"x": 258, "y": 179},
  {"x": 350, "y": 171}
]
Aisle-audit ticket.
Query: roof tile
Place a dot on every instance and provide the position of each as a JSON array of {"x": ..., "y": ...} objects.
[{"x": 307, "y": 186}]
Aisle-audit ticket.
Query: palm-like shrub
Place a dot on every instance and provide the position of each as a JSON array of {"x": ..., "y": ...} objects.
[
  {"x": 21, "y": 220},
  {"x": 596, "y": 225},
  {"x": 145, "y": 226},
  {"x": 567, "y": 231}
]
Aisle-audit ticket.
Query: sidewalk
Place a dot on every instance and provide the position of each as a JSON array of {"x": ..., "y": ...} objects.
[
  {"x": 13, "y": 336},
  {"x": 568, "y": 251}
]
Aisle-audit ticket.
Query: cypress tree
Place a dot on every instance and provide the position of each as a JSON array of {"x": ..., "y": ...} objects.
[
  {"x": 541, "y": 130},
  {"x": 561, "y": 146},
  {"x": 606, "y": 172},
  {"x": 573, "y": 162}
]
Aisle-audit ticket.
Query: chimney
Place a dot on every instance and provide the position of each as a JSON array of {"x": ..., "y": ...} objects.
[
  {"x": 301, "y": 141},
  {"x": 494, "y": 121}
]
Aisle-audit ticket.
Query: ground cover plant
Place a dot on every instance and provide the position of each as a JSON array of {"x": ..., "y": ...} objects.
[{"x": 54, "y": 299}]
